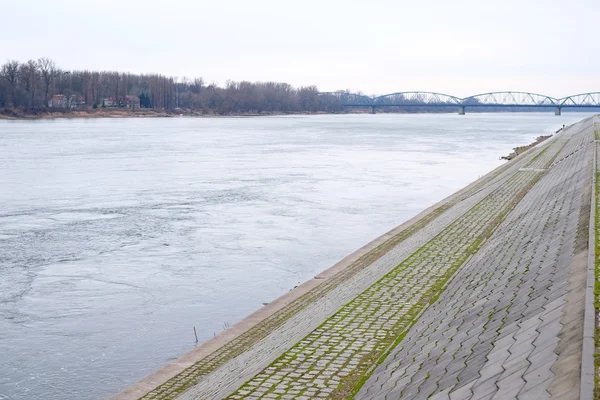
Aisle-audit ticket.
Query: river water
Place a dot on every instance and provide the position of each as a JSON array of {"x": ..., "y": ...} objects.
[{"x": 118, "y": 236}]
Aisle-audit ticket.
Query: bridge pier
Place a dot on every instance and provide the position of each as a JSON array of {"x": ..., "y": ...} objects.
[
  {"x": 557, "y": 110},
  {"x": 461, "y": 110},
  {"x": 373, "y": 110}
]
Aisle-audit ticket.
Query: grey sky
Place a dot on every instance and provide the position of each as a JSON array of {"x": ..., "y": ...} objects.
[{"x": 459, "y": 47}]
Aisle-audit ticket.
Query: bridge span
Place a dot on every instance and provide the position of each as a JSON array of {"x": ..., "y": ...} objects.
[{"x": 487, "y": 100}]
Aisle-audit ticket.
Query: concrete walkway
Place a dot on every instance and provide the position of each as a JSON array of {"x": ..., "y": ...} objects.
[{"x": 482, "y": 296}]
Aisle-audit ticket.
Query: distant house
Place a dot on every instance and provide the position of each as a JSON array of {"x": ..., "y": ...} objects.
[
  {"x": 132, "y": 102},
  {"x": 65, "y": 101},
  {"x": 58, "y": 101},
  {"x": 76, "y": 101},
  {"x": 109, "y": 102}
]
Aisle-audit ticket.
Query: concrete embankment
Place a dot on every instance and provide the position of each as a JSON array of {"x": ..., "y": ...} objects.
[{"x": 487, "y": 294}]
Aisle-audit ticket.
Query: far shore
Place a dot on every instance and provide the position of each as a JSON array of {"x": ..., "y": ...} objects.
[
  {"x": 17, "y": 114},
  {"x": 49, "y": 113}
]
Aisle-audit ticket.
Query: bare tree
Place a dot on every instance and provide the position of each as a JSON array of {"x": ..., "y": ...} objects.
[
  {"x": 48, "y": 72},
  {"x": 10, "y": 72},
  {"x": 33, "y": 83},
  {"x": 29, "y": 77}
]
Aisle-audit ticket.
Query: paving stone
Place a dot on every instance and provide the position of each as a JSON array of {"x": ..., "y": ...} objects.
[
  {"x": 533, "y": 377},
  {"x": 538, "y": 392},
  {"x": 463, "y": 393}
]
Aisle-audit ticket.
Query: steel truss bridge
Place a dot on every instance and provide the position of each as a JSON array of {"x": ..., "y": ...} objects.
[{"x": 489, "y": 100}]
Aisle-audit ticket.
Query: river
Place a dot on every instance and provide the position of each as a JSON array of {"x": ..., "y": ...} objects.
[{"x": 118, "y": 236}]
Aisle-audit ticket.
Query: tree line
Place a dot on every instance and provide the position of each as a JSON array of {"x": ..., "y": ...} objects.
[{"x": 40, "y": 84}]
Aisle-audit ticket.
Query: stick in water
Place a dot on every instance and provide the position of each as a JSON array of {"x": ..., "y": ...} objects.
[{"x": 195, "y": 334}]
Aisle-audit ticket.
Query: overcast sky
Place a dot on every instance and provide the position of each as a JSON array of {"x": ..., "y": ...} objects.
[{"x": 459, "y": 47}]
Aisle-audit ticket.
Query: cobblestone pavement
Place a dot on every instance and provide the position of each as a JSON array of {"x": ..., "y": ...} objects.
[
  {"x": 509, "y": 325},
  {"x": 471, "y": 301}
]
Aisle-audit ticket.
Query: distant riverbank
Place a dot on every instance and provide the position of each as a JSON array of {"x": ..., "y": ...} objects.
[
  {"x": 49, "y": 113},
  {"x": 17, "y": 114}
]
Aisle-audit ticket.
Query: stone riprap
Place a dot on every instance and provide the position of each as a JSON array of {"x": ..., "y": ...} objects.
[{"x": 482, "y": 297}]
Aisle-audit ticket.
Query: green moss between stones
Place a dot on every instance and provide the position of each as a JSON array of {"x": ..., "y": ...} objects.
[{"x": 437, "y": 289}]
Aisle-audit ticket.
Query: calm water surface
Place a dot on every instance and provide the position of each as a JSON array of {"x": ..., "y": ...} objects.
[{"x": 118, "y": 236}]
